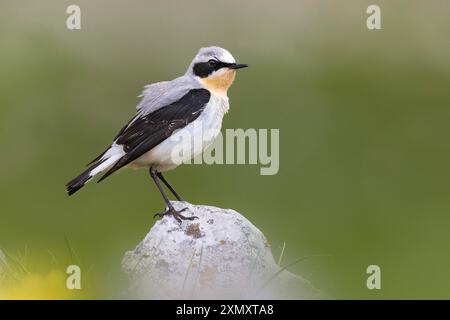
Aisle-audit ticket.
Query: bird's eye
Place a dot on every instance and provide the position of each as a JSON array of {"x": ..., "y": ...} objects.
[{"x": 212, "y": 62}]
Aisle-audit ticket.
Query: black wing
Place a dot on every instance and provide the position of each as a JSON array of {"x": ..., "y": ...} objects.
[{"x": 146, "y": 132}]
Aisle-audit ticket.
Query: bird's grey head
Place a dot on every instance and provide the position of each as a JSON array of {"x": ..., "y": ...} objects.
[{"x": 210, "y": 61}]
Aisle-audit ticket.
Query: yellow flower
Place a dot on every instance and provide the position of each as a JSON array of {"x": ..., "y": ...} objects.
[{"x": 34, "y": 286}]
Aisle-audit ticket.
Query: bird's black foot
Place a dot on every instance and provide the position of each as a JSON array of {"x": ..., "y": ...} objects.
[{"x": 176, "y": 214}]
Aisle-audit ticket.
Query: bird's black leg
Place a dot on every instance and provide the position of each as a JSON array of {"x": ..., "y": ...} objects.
[
  {"x": 170, "y": 209},
  {"x": 161, "y": 177}
]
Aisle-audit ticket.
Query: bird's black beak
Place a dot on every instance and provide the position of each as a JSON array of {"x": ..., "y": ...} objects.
[{"x": 237, "y": 65}]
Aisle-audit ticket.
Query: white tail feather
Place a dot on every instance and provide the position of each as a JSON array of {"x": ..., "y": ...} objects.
[
  {"x": 109, "y": 159},
  {"x": 106, "y": 164}
]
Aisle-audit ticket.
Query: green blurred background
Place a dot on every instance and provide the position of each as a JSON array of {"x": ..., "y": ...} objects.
[{"x": 363, "y": 118}]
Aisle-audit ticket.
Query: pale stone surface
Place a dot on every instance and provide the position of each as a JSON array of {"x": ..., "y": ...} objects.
[{"x": 219, "y": 255}]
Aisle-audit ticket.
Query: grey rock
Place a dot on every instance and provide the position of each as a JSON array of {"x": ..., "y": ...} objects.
[{"x": 220, "y": 255}]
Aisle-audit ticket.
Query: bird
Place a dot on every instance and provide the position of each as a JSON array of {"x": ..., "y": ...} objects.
[{"x": 167, "y": 111}]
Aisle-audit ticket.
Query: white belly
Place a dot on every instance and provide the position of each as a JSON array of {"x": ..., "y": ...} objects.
[{"x": 188, "y": 142}]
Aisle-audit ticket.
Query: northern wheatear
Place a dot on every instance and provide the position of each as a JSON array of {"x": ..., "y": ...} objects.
[{"x": 168, "y": 110}]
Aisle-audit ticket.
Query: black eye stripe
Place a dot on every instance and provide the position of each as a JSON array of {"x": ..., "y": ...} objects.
[{"x": 203, "y": 69}]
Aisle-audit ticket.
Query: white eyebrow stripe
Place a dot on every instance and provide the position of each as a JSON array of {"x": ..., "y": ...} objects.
[{"x": 227, "y": 57}]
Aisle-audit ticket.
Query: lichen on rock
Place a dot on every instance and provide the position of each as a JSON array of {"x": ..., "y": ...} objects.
[{"x": 220, "y": 255}]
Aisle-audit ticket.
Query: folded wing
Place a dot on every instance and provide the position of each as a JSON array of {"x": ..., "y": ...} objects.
[{"x": 146, "y": 131}]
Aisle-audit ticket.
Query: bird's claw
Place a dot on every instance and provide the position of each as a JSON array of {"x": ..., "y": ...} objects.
[{"x": 176, "y": 214}]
